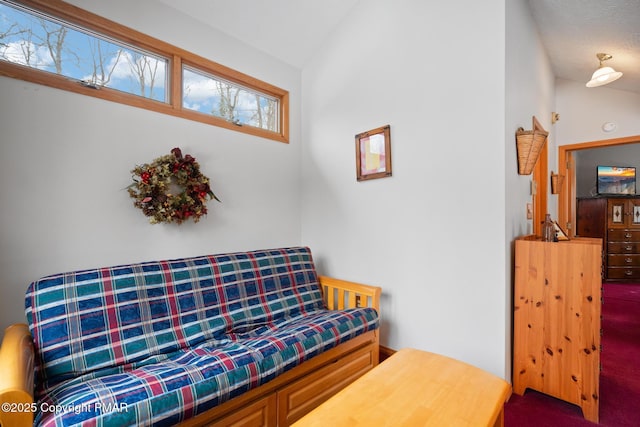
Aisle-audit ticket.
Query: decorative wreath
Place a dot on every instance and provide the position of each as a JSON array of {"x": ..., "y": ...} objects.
[{"x": 171, "y": 189}]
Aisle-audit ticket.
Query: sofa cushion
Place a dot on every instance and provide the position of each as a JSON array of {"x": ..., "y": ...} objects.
[
  {"x": 103, "y": 318},
  {"x": 168, "y": 388}
]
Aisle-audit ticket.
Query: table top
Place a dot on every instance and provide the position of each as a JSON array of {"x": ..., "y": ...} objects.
[{"x": 415, "y": 388}]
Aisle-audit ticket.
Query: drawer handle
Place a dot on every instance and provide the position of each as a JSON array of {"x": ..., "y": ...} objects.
[
  {"x": 628, "y": 235},
  {"x": 628, "y": 260},
  {"x": 628, "y": 273},
  {"x": 628, "y": 248}
]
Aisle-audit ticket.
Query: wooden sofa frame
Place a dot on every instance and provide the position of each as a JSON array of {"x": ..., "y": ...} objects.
[{"x": 279, "y": 402}]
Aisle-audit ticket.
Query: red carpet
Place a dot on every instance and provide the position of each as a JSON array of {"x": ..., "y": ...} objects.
[{"x": 619, "y": 378}]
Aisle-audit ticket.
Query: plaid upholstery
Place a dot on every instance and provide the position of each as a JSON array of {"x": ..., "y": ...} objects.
[{"x": 155, "y": 343}]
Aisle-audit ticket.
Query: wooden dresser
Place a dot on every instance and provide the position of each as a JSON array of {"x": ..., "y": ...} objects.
[
  {"x": 617, "y": 221},
  {"x": 556, "y": 320},
  {"x": 623, "y": 239},
  {"x": 591, "y": 217}
]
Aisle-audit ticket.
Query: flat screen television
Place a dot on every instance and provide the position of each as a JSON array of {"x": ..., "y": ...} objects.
[{"x": 616, "y": 180}]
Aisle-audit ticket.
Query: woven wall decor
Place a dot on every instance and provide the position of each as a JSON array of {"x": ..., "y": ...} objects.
[{"x": 529, "y": 143}]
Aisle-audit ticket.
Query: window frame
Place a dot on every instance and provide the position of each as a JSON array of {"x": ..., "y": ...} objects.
[{"x": 176, "y": 56}]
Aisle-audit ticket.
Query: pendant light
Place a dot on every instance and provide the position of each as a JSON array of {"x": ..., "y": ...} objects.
[{"x": 603, "y": 75}]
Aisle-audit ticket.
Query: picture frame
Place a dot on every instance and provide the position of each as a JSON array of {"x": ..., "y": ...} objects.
[
  {"x": 560, "y": 234},
  {"x": 373, "y": 154}
]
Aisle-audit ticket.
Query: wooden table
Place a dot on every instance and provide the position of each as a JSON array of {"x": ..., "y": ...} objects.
[{"x": 416, "y": 388}]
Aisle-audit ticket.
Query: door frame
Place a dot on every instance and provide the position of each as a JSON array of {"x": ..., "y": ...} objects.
[
  {"x": 540, "y": 189},
  {"x": 566, "y": 168}
]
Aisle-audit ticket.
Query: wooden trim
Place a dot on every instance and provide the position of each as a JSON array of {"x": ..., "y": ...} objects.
[
  {"x": 284, "y": 116},
  {"x": 566, "y": 168},
  {"x": 541, "y": 179},
  {"x": 16, "y": 381},
  {"x": 176, "y": 57},
  {"x": 341, "y": 294},
  {"x": 600, "y": 143},
  {"x": 567, "y": 192},
  {"x": 176, "y": 88}
]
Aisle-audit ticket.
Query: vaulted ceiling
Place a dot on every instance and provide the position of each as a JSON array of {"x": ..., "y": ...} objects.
[
  {"x": 289, "y": 30},
  {"x": 573, "y": 31}
]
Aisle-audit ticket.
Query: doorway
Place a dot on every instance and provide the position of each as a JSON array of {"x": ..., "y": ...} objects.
[{"x": 567, "y": 170}]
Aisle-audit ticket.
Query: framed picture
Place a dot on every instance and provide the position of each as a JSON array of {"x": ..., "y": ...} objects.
[
  {"x": 373, "y": 154},
  {"x": 560, "y": 234}
]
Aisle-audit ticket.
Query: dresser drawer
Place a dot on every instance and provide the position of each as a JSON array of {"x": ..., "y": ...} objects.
[
  {"x": 298, "y": 398},
  {"x": 623, "y": 260},
  {"x": 623, "y": 248},
  {"x": 623, "y": 235},
  {"x": 623, "y": 273}
]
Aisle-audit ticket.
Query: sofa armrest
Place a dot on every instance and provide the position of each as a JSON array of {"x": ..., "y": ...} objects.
[
  {"x": 340, "y": 294},
  {"x": 16, "y": 377}
]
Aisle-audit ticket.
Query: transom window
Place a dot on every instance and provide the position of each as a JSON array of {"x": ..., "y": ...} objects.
[
  {"x": 45, "y": 41},
  {"x": 211, "y": 94},
  {"x": 37, "y": 41}
]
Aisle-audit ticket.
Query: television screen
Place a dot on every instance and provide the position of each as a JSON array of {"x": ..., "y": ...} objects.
[{"x": 616, "y": 180}]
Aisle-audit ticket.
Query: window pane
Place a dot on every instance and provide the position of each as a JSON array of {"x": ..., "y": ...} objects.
[
  {"x": 213, "y": 95},
  {"x": 34, "y": 40}
]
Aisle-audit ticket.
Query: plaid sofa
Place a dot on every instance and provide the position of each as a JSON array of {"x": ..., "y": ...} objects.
[{"x": 159, "y": 342}]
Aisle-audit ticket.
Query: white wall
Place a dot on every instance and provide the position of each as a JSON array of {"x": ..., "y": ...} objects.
[
  {"x": 432, "y": 235},
  {"x": 436, "y": 236},
  {"x": 584, "y": 110},
  {"x": 530, "y": 92},
  {"x": 65, "y": 161}
]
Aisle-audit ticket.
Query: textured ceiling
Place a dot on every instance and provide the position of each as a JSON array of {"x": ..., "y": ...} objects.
[{"x": 573, "y": 31}]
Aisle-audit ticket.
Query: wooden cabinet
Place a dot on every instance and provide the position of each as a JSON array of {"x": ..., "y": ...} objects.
[
  {"x": 557, "y": 310},
  {"x": 617, "y": 221},
  {"x": 623, "y": 239},
  {"x": 591, "y": 217},
  {"x": 623, "y": 213}
]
